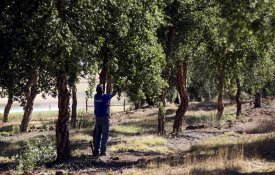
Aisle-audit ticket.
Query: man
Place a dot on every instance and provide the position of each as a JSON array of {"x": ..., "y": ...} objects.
[{"x": 102, "y": 114}]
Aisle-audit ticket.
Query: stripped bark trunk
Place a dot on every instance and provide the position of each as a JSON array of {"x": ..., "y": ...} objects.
[
  {"x": 220, "y": 104},
  {"x": 62, "y": 132},
  {"x": 74, "y": 107},
  {"x": 8, "y": 107},
  {"x": 238, "y": 98},
  {"x": 258, "y": 100},
  {"x": 30, "y": 95},
  {"x": 182, "y": 89}
]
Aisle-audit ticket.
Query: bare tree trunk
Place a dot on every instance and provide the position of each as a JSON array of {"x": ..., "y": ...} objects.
[
  {"x": 109, "y": 84},
  {"x": 166, "y": 75},
  {"x": 28, "y": 110},
  {"x": 238, "y": 98},
  {"x": 182, "y": 89},
  {"x": 62, "y": 131},
  {"x": 30, "y": 94},
  {"x": 8, "y": 107},
  {"x": 258, "y": 100},
  {"x": 74, "y": 107},
  {"x": 161, "y": 119},
  {"x": 137, "y": 104},
  {"x": 104, "y": 72},
  {"x": 220, "y": 104}
]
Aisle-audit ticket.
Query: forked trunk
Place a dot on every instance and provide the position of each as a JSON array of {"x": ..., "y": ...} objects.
[
  {"x": 182, "y": 89},
  {"x": 220, "y": 104},
  {"x": 74, "y": 107},
  {"x": 30, "y": 95},
  {"x": 62, "y": 132},
  {"x": 238, "y": 98},
  {"x": 8, "y": 107},
  {"x": 258, "y": 100}
]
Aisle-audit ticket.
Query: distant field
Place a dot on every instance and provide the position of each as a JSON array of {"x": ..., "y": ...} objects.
[{"x": 51, "y": 104}]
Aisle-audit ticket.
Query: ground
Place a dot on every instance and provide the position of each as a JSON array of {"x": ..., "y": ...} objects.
[{"x": 245, "y": 145}]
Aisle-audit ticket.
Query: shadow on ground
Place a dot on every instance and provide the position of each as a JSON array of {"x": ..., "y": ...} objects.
[
  {"x": 88, "y": 161},
  {"x": 228, "y": 172}
]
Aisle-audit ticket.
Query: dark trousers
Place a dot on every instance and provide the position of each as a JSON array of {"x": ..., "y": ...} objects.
[{"x": 101, "y": 134}]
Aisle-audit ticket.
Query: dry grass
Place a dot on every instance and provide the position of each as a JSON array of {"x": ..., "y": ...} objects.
[
  {"x": 233, "y": 138},
  {"x": 80, "y": 137},
  {"x": 145, "y": 143},
  {"x": 218, "y": 164},
  {"x": 126, "y": 129}
]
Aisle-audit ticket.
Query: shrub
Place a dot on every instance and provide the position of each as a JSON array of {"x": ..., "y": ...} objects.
[{"x": 36, "y": 152}]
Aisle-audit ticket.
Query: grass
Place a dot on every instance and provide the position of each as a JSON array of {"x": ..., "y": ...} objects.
[
  {"x": 80, "y": 137},
  {"x": 214, "y": 166},
  {"x": 145, "y": 143},
  {"x": 9, "y": 130},
  {"x": 230, "y": 153},
  {"x": 126, "y": 129},
  {"x": 232, "y": 138},
  {"x": 222, "y": 158}
]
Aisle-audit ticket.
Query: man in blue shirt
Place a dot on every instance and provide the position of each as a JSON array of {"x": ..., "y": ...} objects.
[{"x": 102, "y": 114}]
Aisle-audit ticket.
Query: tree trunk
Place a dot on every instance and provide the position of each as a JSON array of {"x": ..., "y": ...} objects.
[
  {"x": 137, "y": 104},
  {"x": 109, "y": 84},
  {"x": 182, "y": 89},
  {"x": 62, "y": 132},
  {"x": 30, "y": 95},
  {"x": 166, "y": 75},
  {"x": 8, "y": 107},
  {"x": 74, "y": 107},
  {"x": 104, "y": 72},
  {"x": 238, "y": 98},
  {"x": 258, "y": 100},
  {"x": 220, "y": 104},
  {"x": 161, "y": 119}
]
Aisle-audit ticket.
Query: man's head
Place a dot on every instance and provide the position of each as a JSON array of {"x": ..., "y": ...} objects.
[{"x": 99, "y": 89}]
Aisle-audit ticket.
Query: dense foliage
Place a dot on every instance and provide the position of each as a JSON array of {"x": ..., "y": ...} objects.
[{"x": 148, "y": 48}]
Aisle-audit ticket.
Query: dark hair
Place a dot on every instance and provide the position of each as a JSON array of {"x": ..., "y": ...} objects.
[{"x": 99, "y": 88}]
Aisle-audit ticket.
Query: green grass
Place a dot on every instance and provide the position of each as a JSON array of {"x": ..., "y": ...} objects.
[{"x": 9, "y": 129}]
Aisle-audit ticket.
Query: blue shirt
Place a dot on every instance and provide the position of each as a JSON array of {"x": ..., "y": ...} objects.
[{"x": 102, "y": 104}]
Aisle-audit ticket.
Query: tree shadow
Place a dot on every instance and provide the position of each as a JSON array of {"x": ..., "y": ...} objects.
[
  {"x": 7, "y": 166},
  {"x": 233, "y": 171},
  {"x": 262, "y": 149},
  {"x": 88, "y": 161},
  {"x": 206, "y": 106}
]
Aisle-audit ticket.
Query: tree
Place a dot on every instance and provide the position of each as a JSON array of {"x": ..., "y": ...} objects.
[
  {"x": 184, "y": 35},
  {"x": 23, "y": 44},
  {"x": 130, "y": 55},
  {"x": 245, "y": 22}
]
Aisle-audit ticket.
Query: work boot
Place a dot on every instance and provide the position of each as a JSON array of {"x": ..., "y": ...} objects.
[
  {"x": 103, "y": 154},
  {"x": 95, "y": 153}
]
